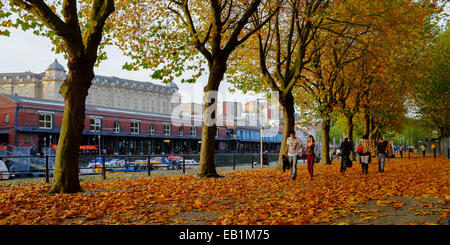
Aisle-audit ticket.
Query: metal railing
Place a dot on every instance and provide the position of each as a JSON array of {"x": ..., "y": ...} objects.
[{"x": 101, "y": 165}]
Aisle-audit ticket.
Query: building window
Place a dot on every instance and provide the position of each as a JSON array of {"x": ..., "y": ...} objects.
[
  {"x": 181, "y": 131},
  {"x": 166, "y": 129},
  {"x": 95, "y": 124},
  {"x": 152, "y": 130},
  {"x": 27, "y": 139},
  {"x": 6, "y": 118},
  {"x": 45, "y": 120},
  {"x": 116, "y": 127},
  {"x": 134, "y": 127},
  {"x": 194, "y": 131}
]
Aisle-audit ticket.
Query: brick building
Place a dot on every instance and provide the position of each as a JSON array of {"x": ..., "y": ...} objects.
[
  {"x": 29, "y": 122},
  {"x": 105, "y": 91}
]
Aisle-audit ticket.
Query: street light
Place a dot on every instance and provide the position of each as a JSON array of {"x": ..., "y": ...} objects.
[
  {"x": 99, "y": 148},
  {"x": 261, "y": 134}
]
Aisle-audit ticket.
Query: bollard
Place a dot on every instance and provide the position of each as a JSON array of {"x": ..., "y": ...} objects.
[
  {"x": 47, "y": 180},
  {"x": 252, "y": 161},
  {"x": 103, "y": 166},
  {"x": 234, "y": 162},
  {"x": 184, "y": 165},
  {"x": 148, "y": 165},
  {"x": 434, "y": 153}
]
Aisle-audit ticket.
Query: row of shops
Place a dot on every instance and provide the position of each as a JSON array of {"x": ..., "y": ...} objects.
[{"x": 35, "y": 123}]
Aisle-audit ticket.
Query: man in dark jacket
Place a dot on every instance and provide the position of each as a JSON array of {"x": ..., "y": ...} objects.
[
  {"x": 381, "y": 154},
  {"x": 346, "y": 148}
]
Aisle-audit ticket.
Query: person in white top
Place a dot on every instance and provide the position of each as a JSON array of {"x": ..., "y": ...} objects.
[{"x": 292, "y": 149}]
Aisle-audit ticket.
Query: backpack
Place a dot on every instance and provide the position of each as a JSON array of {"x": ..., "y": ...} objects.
[{"x": 360, "y": 149}]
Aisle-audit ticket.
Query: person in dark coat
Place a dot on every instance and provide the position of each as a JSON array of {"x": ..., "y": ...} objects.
[
  {"x": 381, "y": 153},
  {"x": 346, "y": 148}
]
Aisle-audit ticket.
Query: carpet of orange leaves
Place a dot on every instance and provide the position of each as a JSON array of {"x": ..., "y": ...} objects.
[{"x": 266, "y": 196}]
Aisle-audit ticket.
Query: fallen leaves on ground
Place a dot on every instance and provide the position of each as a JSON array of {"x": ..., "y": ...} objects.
[{"x": 261, "y": 197}]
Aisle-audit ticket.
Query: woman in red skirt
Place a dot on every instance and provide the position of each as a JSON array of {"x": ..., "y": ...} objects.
[{"x": 310, "y": 156}]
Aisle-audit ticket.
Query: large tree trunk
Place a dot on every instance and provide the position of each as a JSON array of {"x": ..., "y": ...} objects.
[
  {"x": 350, "y": 127},
  {"x": 325, "y": 158},
  {"x": 366, "y": 124},
  {"x": 207, "y": 164},
  {"x": 287, "y": 102},
  {"x": 74, "y": 91},
  {"x": 373, "y": 134}
]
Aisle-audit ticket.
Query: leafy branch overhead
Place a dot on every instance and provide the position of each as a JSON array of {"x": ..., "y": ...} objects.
[{"x": 177, "y": 36}]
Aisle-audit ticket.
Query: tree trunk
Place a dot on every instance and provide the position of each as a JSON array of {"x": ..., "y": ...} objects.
[
  {"x": 74, "y": 91},
  {"x": 350, "y": 126},
  {"x": 325, "y": 142},
  {"x": 289, "y": 122},
  {"x": 366, "y": 124},
  {"x": 217, "y": 70}
]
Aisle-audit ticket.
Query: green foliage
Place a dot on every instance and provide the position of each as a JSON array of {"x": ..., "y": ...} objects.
[{"x": 432, "y": 90}]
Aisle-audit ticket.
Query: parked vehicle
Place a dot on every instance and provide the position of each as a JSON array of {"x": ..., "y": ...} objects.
[
  {"x": 175, "y": 164},
  {"x": 119, "y": 163},
  {"x": 98, "y": 163},
  {"x": 191, "y": 162}
]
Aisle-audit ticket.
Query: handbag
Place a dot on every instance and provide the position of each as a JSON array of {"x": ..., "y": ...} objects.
[
  {"x": 365, "y": 159},
  {"x": 360, "y": 149},
  {"x": 286, "y": 164},
  {"x": 349, "y": 163}
]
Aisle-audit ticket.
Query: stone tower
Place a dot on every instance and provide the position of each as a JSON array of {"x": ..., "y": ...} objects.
[{"x": 51, "y": 82}]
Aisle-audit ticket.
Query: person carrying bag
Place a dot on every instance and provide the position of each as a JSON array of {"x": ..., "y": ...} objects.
[{"x": 364, "y": 154}]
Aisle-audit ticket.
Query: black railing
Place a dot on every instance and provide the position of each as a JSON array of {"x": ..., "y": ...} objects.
[{"x": 101, "y": 164}]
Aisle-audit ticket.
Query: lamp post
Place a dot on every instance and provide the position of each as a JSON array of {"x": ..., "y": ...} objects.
[
  {"x": 99, "y": 147},
  {"x": 261, "y": 158}
]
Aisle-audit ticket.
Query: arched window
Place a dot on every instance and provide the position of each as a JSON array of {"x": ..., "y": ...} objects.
[
  {"x": 166, "y": 129},
  {"x": 194, "y": 131},
  {"x": 152, "y": 130},
  {"x": 181, "y": 131},
  {"x": 116, "y": 127}
]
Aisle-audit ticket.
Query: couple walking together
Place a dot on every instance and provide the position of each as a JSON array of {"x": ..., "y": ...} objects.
[
  {"x": 293, "y": 144},
  {"x": 364, "y": 151}
]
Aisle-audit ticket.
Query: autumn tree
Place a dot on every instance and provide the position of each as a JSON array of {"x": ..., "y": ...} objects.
[
  {"x": 280, "y": 52},
  {"x": 431, "y": 90},
  {"x": 386, "y": 32},
  {"x": 169, "y": 35},
  {"x": 79, "y": 37}
]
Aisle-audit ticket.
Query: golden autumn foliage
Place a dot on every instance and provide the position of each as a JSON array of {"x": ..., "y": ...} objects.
[{"x": 266, "y": 196}]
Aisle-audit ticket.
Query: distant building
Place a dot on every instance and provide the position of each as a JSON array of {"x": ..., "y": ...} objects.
[
  {"x": 30, "y": 122},
  {"x": 105, "y": 91},
  {"x": 191, "y": 109}
]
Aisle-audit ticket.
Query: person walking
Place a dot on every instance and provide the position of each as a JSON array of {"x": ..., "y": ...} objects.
[
  {"x": 346, "y": 148},
  {"x": 310, "y": 155},
  {"x": 433, "y": 147},
  {"x": 364, "y": 153},
  {"x": 292, "y": 149},
  {"x": 401, "y": 149},
  {"x": 389, "y": 150},
  {"x": 381, "y": 154},
  {"x": 423, "y": 147}
]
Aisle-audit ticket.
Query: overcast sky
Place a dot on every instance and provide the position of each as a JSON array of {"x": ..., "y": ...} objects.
[{"x": 23, "y": 51}]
